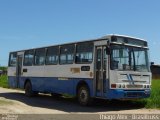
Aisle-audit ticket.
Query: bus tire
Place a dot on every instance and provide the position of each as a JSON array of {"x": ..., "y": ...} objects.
[
  {"x": 28, "y": 89},
  {"x": 84, "y": 96}
]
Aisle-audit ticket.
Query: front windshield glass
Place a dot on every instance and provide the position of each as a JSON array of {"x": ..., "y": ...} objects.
[{"x": 129, "y": 58}]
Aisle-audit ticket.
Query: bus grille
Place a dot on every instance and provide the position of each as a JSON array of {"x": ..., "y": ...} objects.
[{"x": 134, "y": 86}]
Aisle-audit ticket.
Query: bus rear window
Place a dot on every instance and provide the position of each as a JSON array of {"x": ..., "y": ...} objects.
[{"x": 13, "y": 59}]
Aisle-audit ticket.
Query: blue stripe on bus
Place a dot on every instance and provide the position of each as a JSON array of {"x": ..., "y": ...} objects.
[
  {"x": 53, "y": 85},
  {"x": 127, "y": 94}
]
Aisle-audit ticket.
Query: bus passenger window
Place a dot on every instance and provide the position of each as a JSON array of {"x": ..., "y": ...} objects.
[
  {"x": 28, "y": 58},
  {"x": 84, "y": 53},
  {"x": 52, "y": 55},
  {"x": 67, "y": 54},
  {"x": 13, "y": 59},
  {"x": 39, "y": 58}
]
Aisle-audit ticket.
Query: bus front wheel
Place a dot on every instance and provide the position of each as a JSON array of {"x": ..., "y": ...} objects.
[{"x": 84, "y": 96}]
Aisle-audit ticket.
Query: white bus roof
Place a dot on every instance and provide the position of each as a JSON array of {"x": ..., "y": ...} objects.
[
  {"x": 89, "y": 40},
  {"x": 110, "y": 35}
]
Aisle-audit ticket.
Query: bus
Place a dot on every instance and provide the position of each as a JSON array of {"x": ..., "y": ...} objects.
[{"x": 110, "y": 67}]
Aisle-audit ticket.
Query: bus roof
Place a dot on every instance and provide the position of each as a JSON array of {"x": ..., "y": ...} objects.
[
  {"x": 117, "y": 35},
  {"x": 89, "y": 40}
]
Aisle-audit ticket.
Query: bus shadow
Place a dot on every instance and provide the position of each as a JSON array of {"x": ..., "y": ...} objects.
[{"x": 70, "y": 104}]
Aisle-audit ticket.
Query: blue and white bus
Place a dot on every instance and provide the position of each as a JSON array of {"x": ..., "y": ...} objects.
[{"x": 111, "y": 67}]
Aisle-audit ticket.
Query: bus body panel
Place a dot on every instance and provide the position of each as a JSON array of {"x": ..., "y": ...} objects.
[
  {"x": 55, "y": 85},
  {"x": 12, "y": 81},
  {"x": 126, "y": 94},
  {"x": 52, "y": 84},
  {"x": 130, "y": 79},
  {"x": 66, "y": 71}
]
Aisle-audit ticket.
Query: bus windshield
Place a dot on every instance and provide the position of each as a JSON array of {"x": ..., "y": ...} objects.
[{"x": 126, "y": 58}]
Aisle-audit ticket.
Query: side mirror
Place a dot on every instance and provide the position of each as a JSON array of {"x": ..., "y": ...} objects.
[{"x": 108, "y": 50}]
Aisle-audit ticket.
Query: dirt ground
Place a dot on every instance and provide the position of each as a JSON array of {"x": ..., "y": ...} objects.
[{"x": 15, "y": 102}]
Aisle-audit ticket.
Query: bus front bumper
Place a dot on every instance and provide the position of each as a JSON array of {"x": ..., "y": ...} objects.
[{"x": 128, "y": 94}]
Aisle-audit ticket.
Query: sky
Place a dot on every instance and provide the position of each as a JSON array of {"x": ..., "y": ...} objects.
[{"x": 35, "y": 23}]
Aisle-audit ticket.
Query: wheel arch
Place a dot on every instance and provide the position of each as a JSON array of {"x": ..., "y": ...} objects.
[
  {"x": 27, "y": 80},
  {"x": 82, "y": 83}
]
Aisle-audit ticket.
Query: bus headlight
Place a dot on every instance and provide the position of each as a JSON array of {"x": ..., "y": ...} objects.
[
  {"x": 123, "y": 86},
  {"x": 119, "y": 86}
]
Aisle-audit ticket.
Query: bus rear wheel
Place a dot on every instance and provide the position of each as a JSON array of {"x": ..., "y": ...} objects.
[
  {"x": 28, "y": 89},
  {"x": 84, "y": 96}
]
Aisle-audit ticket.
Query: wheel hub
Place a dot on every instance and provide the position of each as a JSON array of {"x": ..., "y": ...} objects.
[{"x": 83, "y": 95}]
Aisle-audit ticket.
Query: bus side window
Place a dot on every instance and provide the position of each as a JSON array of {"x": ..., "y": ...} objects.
[
  {"x": 67, "y": 54},
  {"x": 28, "y": 58},
  {"x": 84, "y": 53},
  {"x": 52, "y": 55},
  {"x": 39, "y": 58},
  {"x": 13, "y": 59}
]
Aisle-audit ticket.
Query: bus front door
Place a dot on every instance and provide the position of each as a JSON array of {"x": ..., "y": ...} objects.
[
  {"x": 18, "y": 70},
  {"x": 100, "y": 71}
]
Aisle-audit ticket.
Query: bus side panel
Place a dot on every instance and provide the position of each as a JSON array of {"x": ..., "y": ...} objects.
[
  {"x": 57, "y": 85},
  {"x": 12, "y": 81},
  {"x": 12, "y": 77}
]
